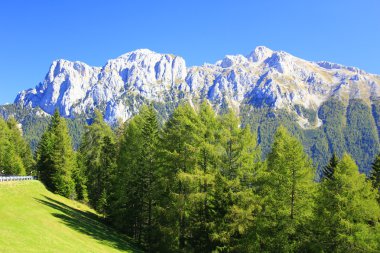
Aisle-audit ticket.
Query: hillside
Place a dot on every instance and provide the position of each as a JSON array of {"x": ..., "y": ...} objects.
[{"x": 36, "y": 220}]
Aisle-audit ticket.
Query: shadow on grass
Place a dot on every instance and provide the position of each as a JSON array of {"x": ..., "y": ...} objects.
[{"x": 90, "y": 224}]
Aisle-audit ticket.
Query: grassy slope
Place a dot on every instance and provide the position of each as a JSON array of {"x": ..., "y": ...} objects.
[{"x": 33, "y": 219}]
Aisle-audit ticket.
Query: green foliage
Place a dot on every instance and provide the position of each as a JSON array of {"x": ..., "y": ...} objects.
[
  {"x": 196, "y": 183},
  {"x": 336, "y": 135},
  {"x": 235, "y": 198},
  {"x": 98, "y": 159},
  {"x": 329, "y": 170},
  {"x": 137, "y": 183},
  {"x": 80, "y": 179},
  {"x": 376, "y": 114},
  {"x": 180, "y": 152},
  {"x": 199, "y": 186},
  {"x": 375, "y": 174},
  {"x": 287, "y": 192},
  {"x": 361, "y": 134},
  {"x": 10, "y": 161},
  {"x": 15, "y": 155},
  {"x": 332, "y": 114},
  {"x": 22, "y": 147},
  {"x": 55, "y": 158},
  {"x": 347, "y": 213},
  {"x": 190, "y": 188}
]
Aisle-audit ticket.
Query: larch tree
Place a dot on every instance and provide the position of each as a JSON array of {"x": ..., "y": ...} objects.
[
  {"x": 201, "y": 180},
  {"x": 347, "y": 213},
  {"x": 235, "y": 198},
  {"x": 180, "y": 153},
  {"x": 288, "y": 196},
  {"x": 10, "y": 161},
  {"x": 22, "y": 147}
]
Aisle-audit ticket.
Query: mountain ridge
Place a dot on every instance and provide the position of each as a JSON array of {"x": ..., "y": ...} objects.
[
  {"x": 331, "y": 108},
  {"x": 264, "y": 77}
]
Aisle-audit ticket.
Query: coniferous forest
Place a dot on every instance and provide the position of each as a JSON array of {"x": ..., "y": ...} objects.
[{"x": 199, "y": 183}]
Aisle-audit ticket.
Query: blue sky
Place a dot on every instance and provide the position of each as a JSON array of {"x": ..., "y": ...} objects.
[{"x": 34, "y": 33}]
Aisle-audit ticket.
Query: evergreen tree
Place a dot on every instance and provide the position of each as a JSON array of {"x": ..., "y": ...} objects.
[
  {"x": 375, "y": 174},
  {"x": 236, "y": 196},
  {"x": 108, "y": 165},
  {"x": 329, "y": 169},
  {"x": 94, "y": 156},
  {"x": 200, "y": 180},
  {"x": 347, "y": 212},
  {"x": 80, "y": 179},
  {"x": 126, "y": 208},
  {"x": 56, "y": 158},
  {"x": 138, "y": 178},
  {"x": 10, "y": 161},
  {"x": 149, "y": 166},
  {"x": 287, "y": 195},
  {"x": 180, "y": 154},
  {"x": 22, "y": 147}
]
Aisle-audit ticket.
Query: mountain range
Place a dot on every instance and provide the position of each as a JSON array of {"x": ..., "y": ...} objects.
[{"x": 331, "y": 107}]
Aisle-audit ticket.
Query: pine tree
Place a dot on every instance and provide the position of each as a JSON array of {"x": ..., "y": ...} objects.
[
  {"x": 347, "y": 213},
  {"x": 126, "y": 208},
  {"x": 329, "y": 169},
  {"x": 138, "y": 170},
  {"x": 149, "y": 165},
  {"x": 287, "y": 195},
  {"x": 375, "y": 174},
  {"x": 93, "y": 154},
  {"x": 79, "y": 178},
  {"x": 108, "y": 165},
  {"x": 56, "y": 158}
]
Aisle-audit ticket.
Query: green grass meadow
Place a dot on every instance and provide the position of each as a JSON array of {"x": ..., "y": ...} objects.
[{"x": 33, "y": 219}]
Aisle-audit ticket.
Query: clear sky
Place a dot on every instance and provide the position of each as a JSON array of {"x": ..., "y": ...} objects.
[{"x": 34, "y": 33}]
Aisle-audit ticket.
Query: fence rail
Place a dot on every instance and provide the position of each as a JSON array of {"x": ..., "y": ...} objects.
[{"x": 16, "y": 178}]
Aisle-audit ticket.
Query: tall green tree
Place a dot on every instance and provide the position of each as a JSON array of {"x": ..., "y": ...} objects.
[
  {"x": 56, "y": 159},
  {"x": 10, "y": 161},
  {"x": 180, "y": 153},
  {"x": 126, "y": 207},
  {"x": 80, "y": 179},
  {"x": 96, "y": 149},
  {"x": 137, "y": 180},
  {"x": 108, "y": 165},
  {"x": 235, "y": 197},
  {"x": 200, "y": 180},
  {"x": 22, "y": 147},
  {"x": 287, "y": 194},
  {"x": 347, "y": 213}
]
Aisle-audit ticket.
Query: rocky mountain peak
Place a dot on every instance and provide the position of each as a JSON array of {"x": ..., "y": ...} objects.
[
  {"x": 262, "y": 78},
  {"x": 260, "y": 54}
]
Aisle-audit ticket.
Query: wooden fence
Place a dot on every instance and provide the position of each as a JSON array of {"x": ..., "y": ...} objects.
[{"x": 16, "y": 178}]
